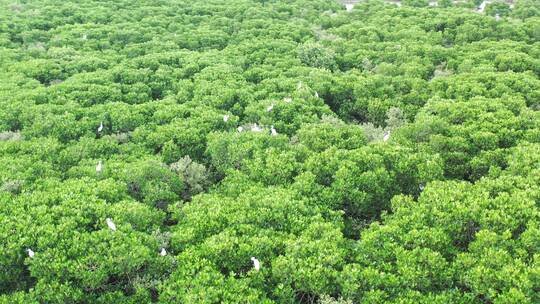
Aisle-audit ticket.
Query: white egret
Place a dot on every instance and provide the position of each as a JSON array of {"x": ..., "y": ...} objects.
[
  {"x": 256, "y": 263},
  {"x": 482, "y": 6},
  {"x": 270, "y": 107},
  {"x": 100, "y": 128},
  {"x": 225, "y": 118},
  {"x": 30, "y": 252},
  {"x": 84, "y": 37},
  {"x": 163, "y": 252},
  {"x": 274, "y": 132},
  {"x": 99, "y": 167},
  {"x": 349, "y": 7},
  {"x": 287, "y": 99},
  {"x": 111, "y": 224},
  {"x": 240, "y": 129},
  {"x": 256, "y": 128},
  {"x": 386, "y": 136},
  {"x": 299, "y": 85},
  {"x": 316, "y": 94}
]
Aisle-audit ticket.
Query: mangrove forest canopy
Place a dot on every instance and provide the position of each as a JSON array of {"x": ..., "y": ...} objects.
[{"x": 270, "y": 151}]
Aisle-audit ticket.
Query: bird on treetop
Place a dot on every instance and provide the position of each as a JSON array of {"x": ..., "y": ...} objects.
[
  {"x": 273, "y": 131},
  {"x": 111, "y": 224},
  {"x": 386, "y": 136},
  {"x": 256, "y": 263}
]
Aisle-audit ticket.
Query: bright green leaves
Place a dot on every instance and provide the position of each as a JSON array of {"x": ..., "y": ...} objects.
[
  {"x": 362, "y": 181},
  {"x": 228, "y": 151},
  {"x": 72, "y": 243},
  {"x": 225, "y": 232},
  {"x": 471, "y": 136},
  {"x": 321, "y": 136},
  {"x": 476, "y": 238},
  {"x": 312, "y": 263},
  {"x": 243, "y": 129},
  {"x": 317, "y": 56},
  {"x": 222, "y": 87},
  {"x": 154, "y": 183},
  {"x": 208, "y": 285}
]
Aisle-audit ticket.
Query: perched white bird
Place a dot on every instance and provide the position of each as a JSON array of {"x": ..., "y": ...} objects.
[
  {"x": 111, "y": 224},
  {"x": 386, "y": 136},
  {"x": 99, "y": 167},
  {"x": 316, "y": 95},
  {"x": 287, "y": 99},
  {"x": 299, "y": 85},
  {"x": 274, "y": 132},
  {"x": 270, "y": 107},
  {"x": 163, "y": 252},
  {"x": 349, "y": 7},
  {"x": 256, "y": 128},
  {"x": 225, "y": 118},
  {"x": 84, "y": 37},
  {"x": 256, "y": 263},
  {"x": 100, "y": 128},
  {"x": 30, "y": 252},
  {"x": 482, "y": 6},
  {"x": 240, "y": 129}
]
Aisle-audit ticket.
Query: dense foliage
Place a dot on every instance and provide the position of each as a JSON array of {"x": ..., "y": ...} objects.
[{"x": 390, "y": 154}]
